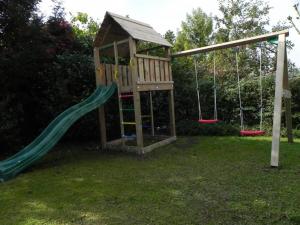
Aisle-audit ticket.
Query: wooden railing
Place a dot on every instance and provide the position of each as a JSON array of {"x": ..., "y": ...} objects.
[
  {"x": 153, "y": 69},
  {"x": 123, "y": 71},
  {"x": 153, "y": 73}
]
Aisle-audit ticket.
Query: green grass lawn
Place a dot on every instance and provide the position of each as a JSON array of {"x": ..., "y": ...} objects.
[{"x": 196, "y": 180}]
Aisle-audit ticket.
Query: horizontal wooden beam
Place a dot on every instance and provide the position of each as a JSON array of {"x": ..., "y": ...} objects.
[
  {"x": 151, "y": 57},
  {"x": 155, "y": 86},
  {"x": 231, "y": 44},
  {"x": 149, "y": 148},
  {"x": 112, "y": 44}
]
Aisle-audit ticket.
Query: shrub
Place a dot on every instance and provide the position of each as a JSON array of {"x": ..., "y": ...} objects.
[{"x": 190, "y": 127}]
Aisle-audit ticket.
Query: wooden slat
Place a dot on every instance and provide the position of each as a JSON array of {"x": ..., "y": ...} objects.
[
  {"x": 154, "y": 86},
  {"x": 231, "y": 44},
  {"x": 113, "y": 73},
  {"x": 157, "y": 70},
  {"x": 151, "y": 57},
  {"x": 167, "y": 73},
  {"x": 120, "y": 74},
  {"x": 108, "y": 73},
  {"x": 124, "y": 73},
  {"x": 152, "y": 70},
  {"x": 129, "y": 76},
  {"x": 146, "y": 69},
  {"x": 141, "y": 69},
  {"x": 170, "y": 72},
  {"x": 162, "y": 70},
  {"x": 287, "y": 101}
]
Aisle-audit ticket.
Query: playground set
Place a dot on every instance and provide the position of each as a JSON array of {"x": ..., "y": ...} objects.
[{"x": 135, "y": 72}]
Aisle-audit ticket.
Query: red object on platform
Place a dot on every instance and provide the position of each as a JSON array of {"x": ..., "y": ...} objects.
[
  {"x": 126, "y": 96},
  {"x": 208, "y": 121},
  {"x": 252, "y": 132}
]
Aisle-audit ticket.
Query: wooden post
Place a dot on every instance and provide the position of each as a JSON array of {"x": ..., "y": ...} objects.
[
  {"x": 136, "y": 95},
  {"x": 278, "y": 100},
  {"x": 100, "y": 80},
  {"x": 172, "y": 113},
  {"x": 151, "y": 113},
  {"x": 118, "y": 79},
  {"x": 171, "y": 98},
  {"x": 287, "y": 101}
]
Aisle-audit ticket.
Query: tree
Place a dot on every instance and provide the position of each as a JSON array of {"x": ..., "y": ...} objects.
[
  {"x": 291, "y": 19},
  {"x": 83, "y": 25},
  {"x": 241, "y": 18},
  {"x": 170, "y": 36},
  {"x": 195, "y": 31},
  {"x": 22, "y": 58}
]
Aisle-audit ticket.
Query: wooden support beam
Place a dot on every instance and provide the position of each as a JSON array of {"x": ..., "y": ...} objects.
[
  {"x": 151, "y": 113},
  {"x": 152, "y": 57},
  {"x": 287, "y": 100},
  {"x": 154, "y": 86},
  {"x": 100, "y": 80},
  {"x": 172, "y": 113},
  {"x": 167, "y": 141},
  {"x": 111, "y": 45},
  {"x": 119, "y": 81},
  {"x": 281, "y": 51},
  {"x": 231, "y": 44},
  {"x": 136, "y": 94}
]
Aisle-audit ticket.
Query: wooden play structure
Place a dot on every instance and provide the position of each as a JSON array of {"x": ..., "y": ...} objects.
[
  {"x": 119, "y": 38},
  {"x": 135, "y": 71}
]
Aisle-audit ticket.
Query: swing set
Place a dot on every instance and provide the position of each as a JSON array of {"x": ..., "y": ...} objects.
[
  {"x": 243, "y": 131},
  {"x": 282, "y": 92}
]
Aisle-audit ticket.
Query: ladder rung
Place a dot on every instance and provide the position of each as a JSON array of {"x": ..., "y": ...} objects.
[
  {"x": 129, "y": 123},
  {"x": 125, "y": 96},
  {"x": 129, "y": 136},
  {"x": 127, "y": 109}
]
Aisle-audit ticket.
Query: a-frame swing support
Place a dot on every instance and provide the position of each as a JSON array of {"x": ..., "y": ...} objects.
[{"x": 282, "y": 90}]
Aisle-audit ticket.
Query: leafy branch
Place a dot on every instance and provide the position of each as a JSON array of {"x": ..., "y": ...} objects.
[{"x": 296, "y": 7}]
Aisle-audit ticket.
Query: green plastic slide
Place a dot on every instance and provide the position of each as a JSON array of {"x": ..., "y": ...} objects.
[{"x": 12, "y": 166}]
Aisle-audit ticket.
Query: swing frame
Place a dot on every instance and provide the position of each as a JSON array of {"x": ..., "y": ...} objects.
[{"x": 282, "y": 90}]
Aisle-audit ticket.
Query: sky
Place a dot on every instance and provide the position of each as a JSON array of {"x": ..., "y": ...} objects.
[{"x": 165, "y": 15}]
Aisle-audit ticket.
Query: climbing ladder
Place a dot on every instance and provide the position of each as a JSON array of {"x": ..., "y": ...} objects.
[{"x": 125, "y": 96}]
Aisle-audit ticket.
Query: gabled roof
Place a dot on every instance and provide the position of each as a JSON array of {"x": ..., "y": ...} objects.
[{"x": 115, "y": 27}]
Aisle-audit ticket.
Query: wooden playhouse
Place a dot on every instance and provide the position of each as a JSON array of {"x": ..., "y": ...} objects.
[{"x": 135, "y": 70}]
